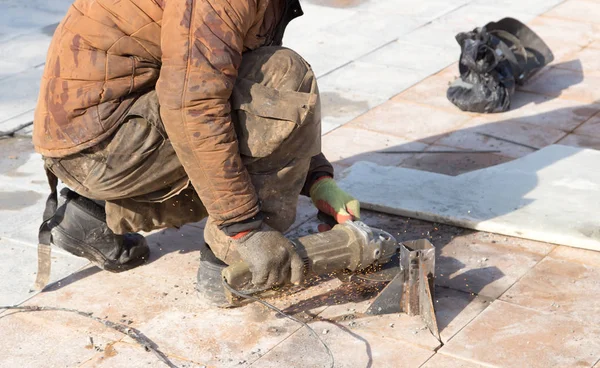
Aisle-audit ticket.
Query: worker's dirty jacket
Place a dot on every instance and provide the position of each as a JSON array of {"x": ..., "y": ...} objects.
[{"x": 106, "y": 53}]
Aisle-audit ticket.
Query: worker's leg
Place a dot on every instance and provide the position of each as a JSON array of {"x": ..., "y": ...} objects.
[
  {"x": 136, "y": 183},
  {"x": 276, "y": 112},
  {"x": 136, "y": 172}
]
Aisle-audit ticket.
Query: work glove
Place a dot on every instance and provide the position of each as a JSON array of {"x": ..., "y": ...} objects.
[
  {"x": 271, "y": 258},
  {"x": 333, "y": 201}
]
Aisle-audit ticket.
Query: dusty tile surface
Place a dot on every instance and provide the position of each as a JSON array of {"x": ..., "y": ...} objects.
[
  {"x": 411, "y": 121},
  {"x": 350, "y": 346},
  {"x": 590, "y": 127},
  {"x": 567, "y": 84},
  {"x": 432, "y": 90},
  {"x": 42, "y": 339},
  {"x": 563, "y": 37},
  {"x": 346, "y": 146},
  {"x": 18, "y": 276},
  {"x": 215, "y": 337},
  {"x": 452, "y": 163},
  {"x": 544, "y": 111},
  {"x": 123, "y": 355},
  {"x": 441, "y": 360},
  {"x": 584, "y": 141},
  {"x": 505, "y": 333},
  {"x": 561, "y": 284},
  {"x": 456, "y": 309},
  {"x": 577, "y": 10},
  {"x": 486, "y": 264}
]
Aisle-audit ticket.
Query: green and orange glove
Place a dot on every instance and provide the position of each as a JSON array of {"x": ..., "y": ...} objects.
[{"x": 333, "y": 201}]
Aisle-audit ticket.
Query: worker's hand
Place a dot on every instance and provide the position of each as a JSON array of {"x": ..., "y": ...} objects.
[
  {"x": 330, "y": 199},
  {"x": 270, "y": 257}
]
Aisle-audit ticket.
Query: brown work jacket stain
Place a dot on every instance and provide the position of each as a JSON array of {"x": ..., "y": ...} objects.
[{"x": 106, "y": 53}]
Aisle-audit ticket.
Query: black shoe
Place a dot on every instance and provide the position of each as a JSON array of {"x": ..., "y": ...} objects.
[
  {"x": 209, "y": 279},
  {"x": 80, "y": 228}
]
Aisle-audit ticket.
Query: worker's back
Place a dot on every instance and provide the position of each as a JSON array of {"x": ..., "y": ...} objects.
[{"x": 104, "y": 54}]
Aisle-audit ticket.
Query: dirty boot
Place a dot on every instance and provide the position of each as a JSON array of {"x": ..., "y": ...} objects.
[
  {"x": 210, "y": 284},
  {"x": 80, "y": 228}
]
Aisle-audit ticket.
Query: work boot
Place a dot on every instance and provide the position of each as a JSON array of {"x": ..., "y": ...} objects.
[
  {"x": 209, "y": 279},
  {"x": 79, "y": 227}
]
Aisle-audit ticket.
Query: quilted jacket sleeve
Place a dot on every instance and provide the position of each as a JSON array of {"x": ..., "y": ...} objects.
[{"x": 202, "y": 44}]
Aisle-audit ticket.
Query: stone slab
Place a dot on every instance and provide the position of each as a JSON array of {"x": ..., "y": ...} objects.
[{"x": 550, "y": 196}]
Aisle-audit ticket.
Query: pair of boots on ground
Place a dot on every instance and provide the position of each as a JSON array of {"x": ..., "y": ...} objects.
[{"x": 79, "y": 227}]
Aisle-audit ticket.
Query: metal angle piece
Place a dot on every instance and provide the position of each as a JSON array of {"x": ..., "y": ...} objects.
[
  {"x": 412, "y": 290},
  {"x": 44, "y": 265}
]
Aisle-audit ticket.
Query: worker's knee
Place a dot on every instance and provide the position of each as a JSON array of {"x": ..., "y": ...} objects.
[
  {"x": 278, "y": 68},
  {"x": 276, "y": 108}
]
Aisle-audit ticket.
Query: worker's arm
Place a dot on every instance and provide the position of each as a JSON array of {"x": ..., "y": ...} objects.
[{"x": 202, "y": 44}]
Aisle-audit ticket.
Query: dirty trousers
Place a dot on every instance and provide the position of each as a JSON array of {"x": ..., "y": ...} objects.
[{"x": 276, "y": 113}]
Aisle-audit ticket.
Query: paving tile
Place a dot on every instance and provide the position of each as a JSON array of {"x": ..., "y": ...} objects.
[
  {"x": 470, "y": 139},
  {"x": 123, "y": 355},
  {"x": 20, "y": 266},
  {"x": 566, "y": 84},
  {"x": 379, "y": 28},
  {"x": 486, "y": 264},
  {"x": 586, "y": 61},
  {"x": 218, "y": 337},
  {"x": 29, "y": 342},
  {"x": 113, "y": 295},
  {"x": 20, "y": 17},
  {"x": 410, "y": 56},
  {"x": 411, "y": 121},
  {"x": 452, "y": 163},
  {"x": 531, "y": 338},
  {"x": 530, "y": 6},
  {"x": 401, "y": 327},
  {"x": 563, "y": 37},
  {"x": 174, "y": 255},
  {"x": 378, "y": 81},
  {"x": 326, "y": 51},
  {"x": 23, "y": 52},
  {"x": 432, "y": 91},
  {"x": 351, "y": 347},
  {"x": 347, "y": 145},
  {"x": 590, "y": 127},
  {"x": 320, "y": 14},
  {"x": 17, "y": 121},
  {"x": 437, "y": 34},
  {"x": 577, "y": 11},
  {"x": 513, "y": 130},
  {"x": 455, "y": 309},
  {"x": 584, "y": 141},
  {"x": 583, "y": 256},
  {"x": 561, "y": 285},
  {"x": 24, "y": 190},
  {"x": 544, "y": 111},
  {"x": 478, "y": 15},
  {"x": 340, "y": 106},
  {"x": 446, "y": 361},
  {"x": 594, "y": 45},
  {"x": 18, "y": 93},
  {"x": 427, "y": 10}
]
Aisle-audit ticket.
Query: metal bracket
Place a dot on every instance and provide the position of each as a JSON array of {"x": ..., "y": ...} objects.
[{"x": 412, "y": 290}]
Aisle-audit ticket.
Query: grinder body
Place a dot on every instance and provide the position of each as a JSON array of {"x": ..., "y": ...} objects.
[{"x": 351, "y": 246}]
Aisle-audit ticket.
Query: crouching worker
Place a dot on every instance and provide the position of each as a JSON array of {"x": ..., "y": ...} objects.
[{"x": 158, "y": 113}]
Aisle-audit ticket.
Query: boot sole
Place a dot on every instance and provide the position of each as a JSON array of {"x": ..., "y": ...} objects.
[{"x": 74, "y": 247}]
